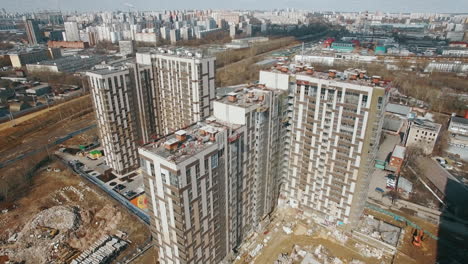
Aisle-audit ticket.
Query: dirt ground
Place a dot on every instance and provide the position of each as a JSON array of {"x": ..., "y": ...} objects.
[
  {"x": 149, "y": 257},
  {"x": 43, "y": 127},
  {"x": 407, "y": 253},
  {"x": 95, "y": 215},
  {"x": 278, "y": 242}
]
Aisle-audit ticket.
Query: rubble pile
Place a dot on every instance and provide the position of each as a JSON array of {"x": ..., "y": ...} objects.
[
  {"x": 380, "y": 230},
  {"x": 62, "y": 194},
  {"x": 62, "y": 218},
  {"x": 338, "y": 235},
  {"x": 283, "y": 258},
  {"x": 369, "y": 252},
  {"x": 38, "y": 239}
]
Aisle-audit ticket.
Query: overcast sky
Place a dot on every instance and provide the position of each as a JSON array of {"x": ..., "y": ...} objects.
[{"x": 459, "y": 6}]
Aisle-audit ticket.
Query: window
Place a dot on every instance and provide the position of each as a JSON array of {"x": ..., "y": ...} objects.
[
  {"x": 152, "y": 169},
  {"x": 214, "y": 161},
  {"x": 174, "y": 180},
  {"x": 197, "y": 170}
]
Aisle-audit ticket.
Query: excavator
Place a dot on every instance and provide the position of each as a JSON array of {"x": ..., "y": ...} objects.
[
  {"x": 48, "y": 232},
  {"x": 418, "y": 237}
]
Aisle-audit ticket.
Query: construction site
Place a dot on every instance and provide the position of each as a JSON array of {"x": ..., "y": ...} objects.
[
  {"x": 62, "y": 218},
  {"x": 291, "y": 237},
  {"x": 49, "y": 214}
]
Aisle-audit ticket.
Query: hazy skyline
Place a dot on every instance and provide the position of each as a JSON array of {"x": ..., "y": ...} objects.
[{"x": 423, "y": 6}]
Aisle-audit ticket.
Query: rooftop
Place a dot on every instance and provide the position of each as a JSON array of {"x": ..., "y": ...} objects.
[
  {"x": 354, "y": 76},
  {"x": 248, "y": 95},
  {"x": 176, "y": 52},
  {"x": 399, "y": 152},
  {"x": 398, "y": 109},
  {"x": 460, "y": 120},
  {"x": 426, "y": 124},
  {"x": 183, "y": 144}
]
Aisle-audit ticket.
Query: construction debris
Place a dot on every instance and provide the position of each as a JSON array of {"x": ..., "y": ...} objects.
[
  {"x": 369, "y": 252},
  {"x": 103, "y": 251},
  {"x": 380, "y": 230}
]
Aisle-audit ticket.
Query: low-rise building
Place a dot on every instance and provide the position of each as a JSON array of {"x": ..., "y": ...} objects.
[
  {"x": 455, "y": 52},
  {"x": 397, "y": 158},
  {"x": 23, "y": 57},
  {"x": 39, "y": 90},
  {"x": 68, "y": 64},
  {"x": 68, "y": 44},
  {"x": 458, "y": 129},
  {"x": 423, "y": 134}
]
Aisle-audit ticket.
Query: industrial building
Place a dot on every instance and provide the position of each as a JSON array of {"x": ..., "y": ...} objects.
[
  {"x": 22, "y": 57},
  {"x": 33, "y": 32},
  {"x": 69, "y": 64}
]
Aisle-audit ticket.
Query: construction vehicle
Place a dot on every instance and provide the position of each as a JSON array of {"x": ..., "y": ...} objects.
[
  {"x": 418, "y": 237},
  {"x": 48, "y": 232}
]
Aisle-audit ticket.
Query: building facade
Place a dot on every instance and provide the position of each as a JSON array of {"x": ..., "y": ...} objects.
[
  {"x": 185, "y": 83},
  {"x": 113, "y": 95},
  {"x": 423, "y": 134},
  {"x": 72, "y": 33},
  {"x": 335, "y": 130},
  {"x": 214, "y": 183},
  {"x": 32, "y": 32}
]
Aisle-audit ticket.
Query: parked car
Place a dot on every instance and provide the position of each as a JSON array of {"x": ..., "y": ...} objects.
[
  {"x": 379, "y": 190},
  {"x": 441, "y": 161}
]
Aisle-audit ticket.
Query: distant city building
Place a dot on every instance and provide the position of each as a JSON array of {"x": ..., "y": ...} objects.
[
  {"x": 232, "y": 31},
  {"x": 69, "y": 64},
  {"x": 68, "y": 44},
  {"x": 21, "y": 58},
  {"x": 32, "y": 31},
  {"x": 146, "y": 37},
  {"x": 174, "y": 35},
  {"x": 127, "y": 47},
  {"x": 72, "y": 32}
]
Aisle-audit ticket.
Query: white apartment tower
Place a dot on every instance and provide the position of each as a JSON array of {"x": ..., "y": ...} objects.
[
  {"x": 215, "y": 182},
  {"x": 112, "y": 93},
  {"x": 72, "y": 32},
  {"x": 335, "y": 130},
  {"x": 185, "y": 82}
]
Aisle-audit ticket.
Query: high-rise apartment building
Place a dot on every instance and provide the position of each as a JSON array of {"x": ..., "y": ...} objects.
[
  {"x": 124, "y": 101},
  {"x": 213, "y": 183},
  {"x": 185, "y": 82},
  {"x": 335, "y": 130},
  {"x": 32, "y": 31},
  {"x": 161, "y": 93},
  {"x": 72, "y": 33}
]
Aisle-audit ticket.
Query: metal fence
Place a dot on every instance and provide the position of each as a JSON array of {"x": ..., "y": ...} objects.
[{"x": 131, "y": 207}]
